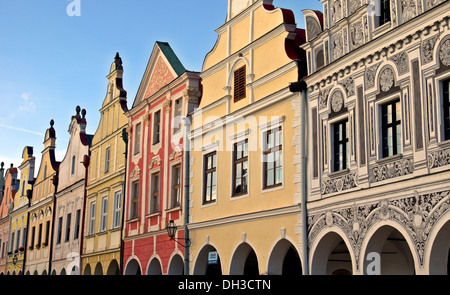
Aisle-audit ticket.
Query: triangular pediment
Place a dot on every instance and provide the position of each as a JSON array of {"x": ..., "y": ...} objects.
[{"x": 163, "y": 67}]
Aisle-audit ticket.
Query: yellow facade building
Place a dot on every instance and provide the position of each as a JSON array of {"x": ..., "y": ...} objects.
[
  {"x": 244, "y": 207},
  {"x": 41, "y": 209},
  {"x": 19, "y": 214},
  {"x": 103, "y": 226}
]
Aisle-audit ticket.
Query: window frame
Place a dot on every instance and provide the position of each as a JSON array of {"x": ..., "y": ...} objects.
[
  {"x": 214, "y": 171},
  {"x": 385, "y": 126},
  {"x": 336, "y": 143},
  {"x": 266, "y": 152},
  {"x": 107, "y": 159},
  {"x": 134, "y": 202},
  {"x": 92, "y": 209},
  {"x": 156, "y": 131},
  {"x": 117, "y": 209},
  {"x": 154, "y": 198},
  {"x": 68, "y": 225},
  {"x": 445, "y": 105},
  {"x": 239, "y": 82},
  {"x": 104, "y": 215},
  {"x": 137, "y": 134},
  {"x": 384, "y": 9},
  {"x": 176, "y": 188},
  {"x": 240, "y": 161}
]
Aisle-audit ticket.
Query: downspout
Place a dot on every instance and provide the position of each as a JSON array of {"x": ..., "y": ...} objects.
[
  {"x": 122, "y": 243},
  {"x": 187, "y": 155},
  {"x": 301, "y": 87},
  {"x": 55, "y": 184},
  {"x": 86, "y": 162}
]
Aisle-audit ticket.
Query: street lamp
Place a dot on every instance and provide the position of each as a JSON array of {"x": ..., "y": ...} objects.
[{"x": 172, "y": 230}]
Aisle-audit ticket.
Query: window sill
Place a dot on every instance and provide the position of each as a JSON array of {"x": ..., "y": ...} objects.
[
  {"x": 134, "y": 219},
  {"x": 338, "y": 173},
  {"x": 381, "y": 29},
  {"x": 389, "y": 159},
  {"x": 444, "y": 144},
  {"x": 176, "y": 208},
  {"x": 153, "y": 214}
]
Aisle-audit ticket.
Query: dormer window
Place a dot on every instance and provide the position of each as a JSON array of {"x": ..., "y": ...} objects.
[{"x": 239, "y": 84}]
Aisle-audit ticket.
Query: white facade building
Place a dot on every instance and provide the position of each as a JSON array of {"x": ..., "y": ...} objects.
[{"x": 379, "y": 143}]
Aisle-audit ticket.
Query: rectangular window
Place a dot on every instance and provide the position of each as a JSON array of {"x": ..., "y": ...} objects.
[
  {"x": 107, "y": 158},
  {"x": 40, "y": 234},
  {"x": 72, "y": 172},
  {"x": 391, "y": 128},
  {"x": 176, "y": 186},
  {"x": 117, "y": 207},
  {"x": 17, "y": 240},
  {"x": 154, "y": 198},
  {"x": 104, "y": 215},
  {"x": 446, "y": 106},
  {"x": 240, "y": 168},
  {"x": 134, "y": 212},
  {"x": 11, "y": 248},
  {"x": 92, "y": 219},
  {"x": 210, "y": 178},
  {"x": 340, "y": 145},
  {"x": 47, "y": 232},
  {"x": 156, "y": 127},
  {"x": 33, "y": 233},
  {"x": 59, "y": 233},
  {"x": 384, "y": 12},
  {"x": 239, "y": 84},
  {"x": 273, "y": 158},
  {"x": 68, "y": 223},
  {"x": 137, "y": 139},
  {"x": 76, "y": 233},
  {"x": 24, "y": 237},
  {"x": 177, "y": 115}
]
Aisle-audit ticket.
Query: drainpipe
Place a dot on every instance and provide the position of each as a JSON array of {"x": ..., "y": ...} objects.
[
  {"x": 86, "y": 162},
  {"x": 55, "y": 184},
  {"x": 301, "y": 87},
  {"x": 122, "y": 243},
  {"x": 187, "y": 155}
]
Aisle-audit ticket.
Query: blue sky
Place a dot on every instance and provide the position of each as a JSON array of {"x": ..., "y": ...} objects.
[{"x": 51, "y": 62}]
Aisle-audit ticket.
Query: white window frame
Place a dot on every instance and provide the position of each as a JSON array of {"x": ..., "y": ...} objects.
[
  {"x": 92, "y": 209},
  {"x": 104, "y": 214},
  {"x": 117, "y": 209}
]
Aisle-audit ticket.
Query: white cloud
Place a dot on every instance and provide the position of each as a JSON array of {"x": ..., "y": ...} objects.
[{"x": 27, "y": 104}]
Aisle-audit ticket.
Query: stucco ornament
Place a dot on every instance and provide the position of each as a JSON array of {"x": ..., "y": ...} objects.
[
  {"x": 386, "y": 79},
  {"x": 408, "y": 10},
  {"x": 444, "y": 53},
  {"x": 337, "y": 101}
]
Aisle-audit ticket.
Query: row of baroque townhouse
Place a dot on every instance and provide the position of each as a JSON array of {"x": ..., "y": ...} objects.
[{"x": 316, "y": 151}]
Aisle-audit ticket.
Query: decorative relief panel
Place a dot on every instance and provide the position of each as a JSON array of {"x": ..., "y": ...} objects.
[
  {"x": 401, "y": 61},
  {"x": 428, "y": 49},
  {"x": 439, "y": 158},
  {"x": 416, "y": 214},
  {"x": 323, "y": 97},
  {"x": 337, "y": 101},
  {"x": 356, "y": 34},
  {"x": 370, "y": 75},
  {"x": 432, "y": 3},
  {"x": 444, "y": 53},
  {"x": 349, "y": 86},
  {"x": 386, "y": 79},
  {"x": 354, "y": 5},
  {"x": 401, "y": 167},
  {"x": 337, "y": 46},
  {"x": 312, "y": 27},
  {"x": 408, "y": 10},
  {"x": 339, "y": 184},
  {"x": 336, "y": 11}
]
